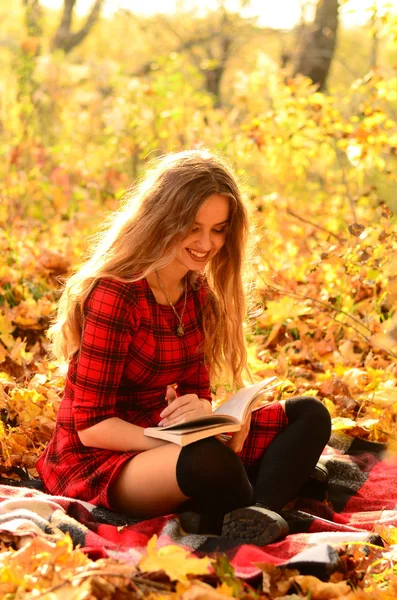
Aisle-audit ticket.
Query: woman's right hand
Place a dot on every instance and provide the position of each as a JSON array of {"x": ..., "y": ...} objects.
[{"x": 184, "y": 408}]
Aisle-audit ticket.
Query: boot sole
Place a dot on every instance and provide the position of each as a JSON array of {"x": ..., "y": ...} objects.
[{"x": 253, "y": 526}]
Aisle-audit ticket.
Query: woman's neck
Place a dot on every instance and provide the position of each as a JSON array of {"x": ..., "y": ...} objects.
[
  {"x": 171, "y": 277},
  {"x": 171, "y": 280}
]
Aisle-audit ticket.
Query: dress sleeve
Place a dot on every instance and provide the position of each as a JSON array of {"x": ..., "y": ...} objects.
[{"x": 107, "y": 333}]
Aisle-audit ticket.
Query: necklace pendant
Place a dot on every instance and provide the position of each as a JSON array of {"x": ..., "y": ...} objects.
[{"x": 180, "y": 331}]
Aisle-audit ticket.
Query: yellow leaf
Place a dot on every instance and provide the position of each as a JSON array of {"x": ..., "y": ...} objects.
[
  {"x": 386, "y": 393},
  {"x": 202, "y": 591},
  {"x": 6, "y": 379},
  {"x": 311, "y": 392},
  {"x": 367, "y": 424},
  {"x": 6, "y": 328},
  {"x": 175, "y": 561},
  {"x": 342, "y": 423},
  {"x": 387, "y": 339},
  {"x": 321, "y": 590},
  {"x": 330, "y": 407},
  {"x": 355, "y": 379},
  {"x": 387, "y": 532},
  {"x": 19, "y": 352},
  {"x": 225, "y": 589},
  {"x": 26, "y": 404},
  {"x": 18, "y": 442},
  {"x": 3, "y": 353},
  {"x": 283, "y": 309}
]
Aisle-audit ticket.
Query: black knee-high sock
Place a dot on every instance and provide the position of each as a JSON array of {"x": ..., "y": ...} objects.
[
  {"x": 292, "y": 456},
  {"x": 213, "y": 476}
]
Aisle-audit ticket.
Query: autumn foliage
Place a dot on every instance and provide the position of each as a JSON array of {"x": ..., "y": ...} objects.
[{"x": 318, "y": 173}]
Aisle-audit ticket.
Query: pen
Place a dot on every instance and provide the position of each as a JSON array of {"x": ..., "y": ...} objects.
[{"x": 173, "y": 386}]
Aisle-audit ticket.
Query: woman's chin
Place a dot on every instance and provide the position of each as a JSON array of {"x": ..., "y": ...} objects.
[{"x": 197, "y": 266}]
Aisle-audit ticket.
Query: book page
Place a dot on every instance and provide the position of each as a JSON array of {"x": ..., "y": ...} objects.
[
  {"x": 201, "y": 422},
  {"x": 230, "y": 412},
  {"x": 240, "y": 403},
  {"x": 183, "y": 437}
]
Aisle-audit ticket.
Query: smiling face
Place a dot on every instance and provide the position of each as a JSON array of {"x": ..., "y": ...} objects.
[{"x": 207, "y": 235}]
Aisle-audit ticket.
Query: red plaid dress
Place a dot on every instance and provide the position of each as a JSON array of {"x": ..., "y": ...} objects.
[{"x": 129, "y": 353}]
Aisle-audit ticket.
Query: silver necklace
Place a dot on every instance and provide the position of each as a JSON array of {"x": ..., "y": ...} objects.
[{"x": 179, "y": 330}]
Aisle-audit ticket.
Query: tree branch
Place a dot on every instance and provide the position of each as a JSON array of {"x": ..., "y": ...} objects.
[
  {"x": 90, "y": 21},
  {"x": 187, "y": 45},
  {"x": 66, "y": 21},
  {"x": 64, "y": 38},
  {"x": 336, "y": 311},
  {"x": 300, "y": 218}
]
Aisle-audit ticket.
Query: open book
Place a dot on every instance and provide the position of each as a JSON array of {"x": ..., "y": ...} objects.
[{"x": 226, "y": 418}]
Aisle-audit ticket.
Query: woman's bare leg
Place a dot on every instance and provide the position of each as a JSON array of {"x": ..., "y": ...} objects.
[{"x": 147, "y": 484}]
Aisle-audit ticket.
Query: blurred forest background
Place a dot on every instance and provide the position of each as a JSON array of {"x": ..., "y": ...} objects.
[
  {"x": 306, "y": 114},
  {"x": 308, "y": 117}
]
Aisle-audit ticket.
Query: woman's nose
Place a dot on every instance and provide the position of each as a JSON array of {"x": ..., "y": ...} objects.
[{"x": 205, "y": 241}]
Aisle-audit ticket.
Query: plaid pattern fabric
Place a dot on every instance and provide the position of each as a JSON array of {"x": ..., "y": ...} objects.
[
  {"x": 129, "y": 353},
  {"x": 362, "y": 495},
  {"x": 266, "y": 424}
]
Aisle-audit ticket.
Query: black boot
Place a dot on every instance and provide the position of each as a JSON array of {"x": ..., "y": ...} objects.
[
  {"x": 316, "y": 486},
  {"x": 254, "y": 525}
]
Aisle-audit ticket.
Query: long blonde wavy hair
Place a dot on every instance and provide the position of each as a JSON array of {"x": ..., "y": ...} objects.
[{"x": 143, "y": 235}]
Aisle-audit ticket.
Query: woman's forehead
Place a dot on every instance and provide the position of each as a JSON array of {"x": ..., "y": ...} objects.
[{"x": 215, "y": 210}]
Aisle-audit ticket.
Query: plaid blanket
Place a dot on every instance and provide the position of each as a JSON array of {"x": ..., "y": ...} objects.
[{"x": 362, "y": 493}]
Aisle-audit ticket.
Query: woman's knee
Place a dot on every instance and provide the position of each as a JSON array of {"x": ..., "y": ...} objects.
[
  {"x": 312, "y": 411},
  {"x": 209, "y": 469},
  {"x": 146, "y": 484}
]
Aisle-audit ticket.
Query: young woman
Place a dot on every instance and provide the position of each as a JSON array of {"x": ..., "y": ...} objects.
[{"x": 160, "y": 301}]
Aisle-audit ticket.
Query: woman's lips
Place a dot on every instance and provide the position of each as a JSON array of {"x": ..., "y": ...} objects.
[{"x": 196, "y": 258}]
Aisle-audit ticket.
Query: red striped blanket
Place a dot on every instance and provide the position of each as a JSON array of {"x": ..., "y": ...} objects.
[{"x": 362, "y": 494}]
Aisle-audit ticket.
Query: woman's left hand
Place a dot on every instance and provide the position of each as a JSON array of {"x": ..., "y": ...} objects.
[
  {"x": 237, "y": 439},
  {"x": 184, "y": 408}
]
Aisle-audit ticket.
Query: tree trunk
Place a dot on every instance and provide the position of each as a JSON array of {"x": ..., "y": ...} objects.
[
  {"x": 33, "y": 18},
  {"x": 213, "y": 78},
  {"x": 375, "y": 39},
  {"x": 318, "y": 44},
  {"x": 64, "y": 38}
]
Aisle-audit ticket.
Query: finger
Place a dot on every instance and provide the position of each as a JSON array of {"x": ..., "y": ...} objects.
[
  {"x": 194, "y": 408},
  {"x": 187, "y": 415},
  {"x": 178, "y": 402},
  {"x": 234, "y": 445},
  {"x": 175, "y": 404},
  {"x": 178, "y": 420},
  {"x": 170, "y": 395},
  {"x": 224, "y": 438}
]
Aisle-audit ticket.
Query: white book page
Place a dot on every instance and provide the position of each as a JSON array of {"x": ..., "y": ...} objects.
[
  {"x": 204, "y": 421},
  {"x": 231, "y": 411},
  {"x": 239, "y": 404}
]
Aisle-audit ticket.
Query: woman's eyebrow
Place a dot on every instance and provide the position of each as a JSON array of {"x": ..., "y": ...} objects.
[{"x": 215, "y": 224}]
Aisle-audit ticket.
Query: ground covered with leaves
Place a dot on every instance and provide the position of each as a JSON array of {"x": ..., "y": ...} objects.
[
  {"x": 43, "y": 568},
  {"x": 317, "y": 321}
]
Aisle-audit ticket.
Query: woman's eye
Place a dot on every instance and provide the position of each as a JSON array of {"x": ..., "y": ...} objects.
[{"x": 197, "y": 229}]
